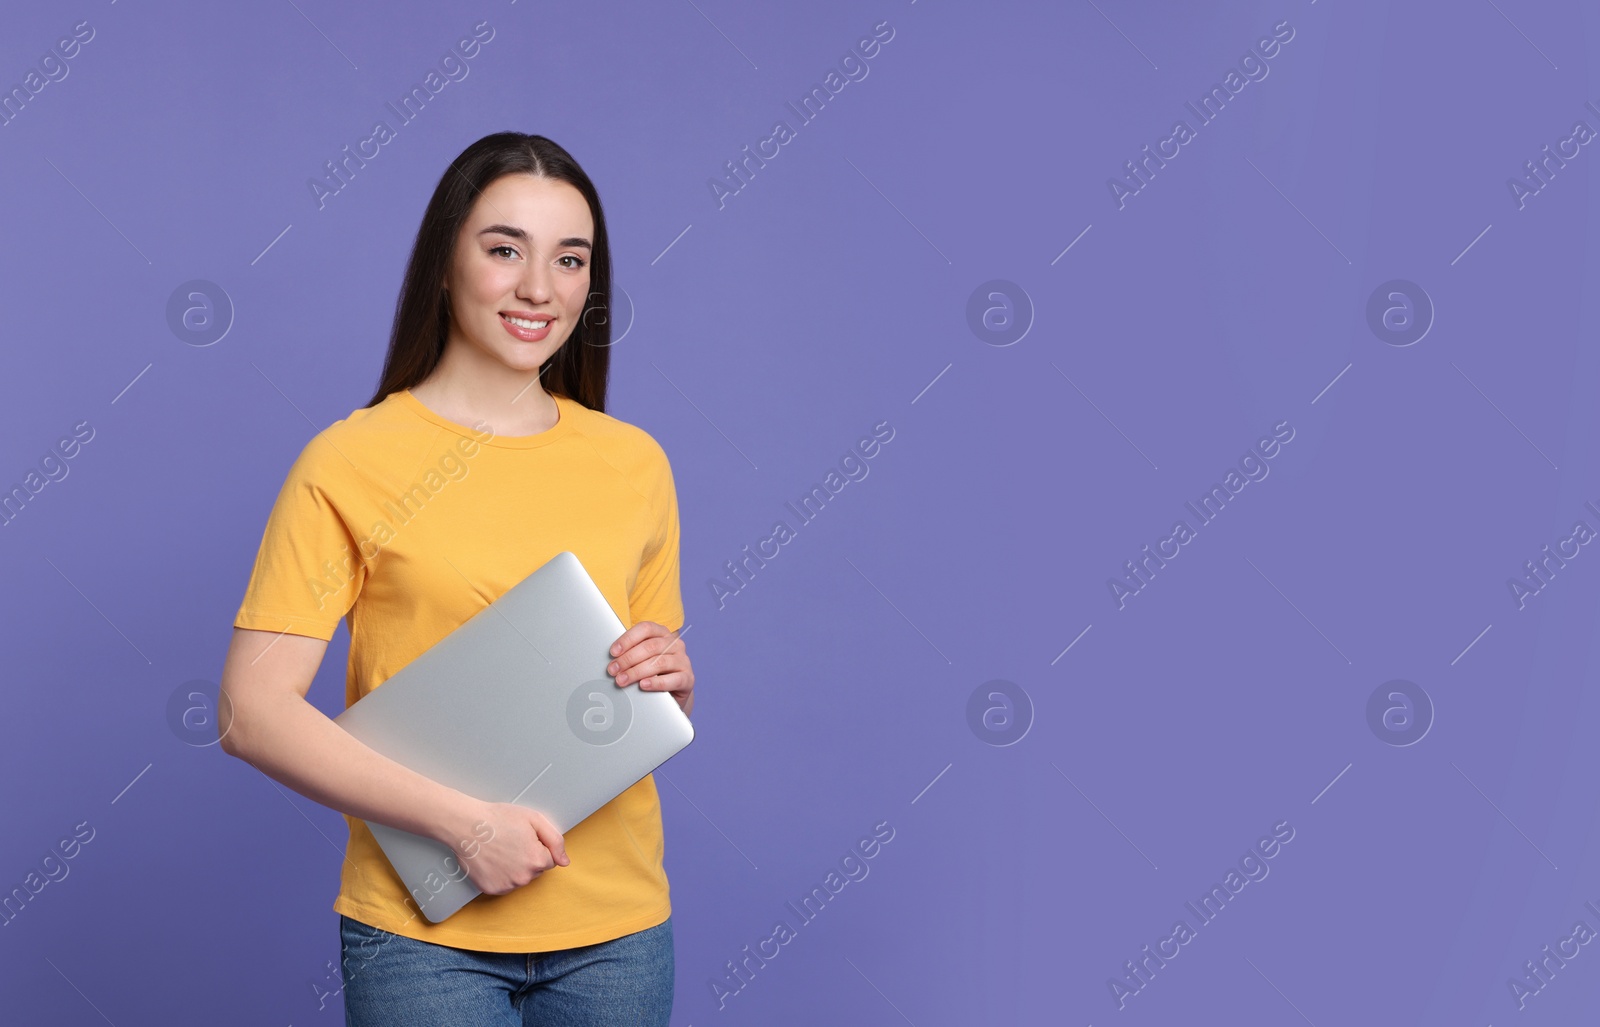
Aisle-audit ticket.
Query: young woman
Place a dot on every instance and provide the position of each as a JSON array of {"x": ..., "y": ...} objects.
[{"x": 484, "y": 452}]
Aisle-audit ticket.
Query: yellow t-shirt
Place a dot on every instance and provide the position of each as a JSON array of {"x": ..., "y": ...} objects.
[{"x": 405, "y": 524}]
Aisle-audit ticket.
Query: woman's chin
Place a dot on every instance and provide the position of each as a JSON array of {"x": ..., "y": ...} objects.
[{"x": 520, "y": 361}]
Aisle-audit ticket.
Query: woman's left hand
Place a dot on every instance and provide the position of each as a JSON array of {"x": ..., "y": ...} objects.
[{"x": 654, "y": 657}]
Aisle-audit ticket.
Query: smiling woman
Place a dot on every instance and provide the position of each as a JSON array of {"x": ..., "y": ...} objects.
[
  {"x": 493, "y": 344},
  {"x": 501, "y": 319}
]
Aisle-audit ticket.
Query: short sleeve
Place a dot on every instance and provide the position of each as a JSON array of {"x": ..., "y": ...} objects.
[
  {"x": 308, "y": 570},
  {"x": 656, "y": 596}
]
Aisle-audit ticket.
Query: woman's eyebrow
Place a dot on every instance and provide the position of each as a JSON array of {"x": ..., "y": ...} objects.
[{"x": 521, "y": 236}]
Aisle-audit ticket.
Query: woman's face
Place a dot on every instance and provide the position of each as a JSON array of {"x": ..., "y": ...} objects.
[{"x": 523, "y": 253}]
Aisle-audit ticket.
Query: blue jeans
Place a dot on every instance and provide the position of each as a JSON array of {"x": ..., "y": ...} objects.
[{"x": 394, "y": 981}]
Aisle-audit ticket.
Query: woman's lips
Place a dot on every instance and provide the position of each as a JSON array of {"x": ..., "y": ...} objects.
[{"x": 527, "y": 334}]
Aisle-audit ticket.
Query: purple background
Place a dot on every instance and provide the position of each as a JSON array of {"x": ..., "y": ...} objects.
[{"x": 768, "y": 334}]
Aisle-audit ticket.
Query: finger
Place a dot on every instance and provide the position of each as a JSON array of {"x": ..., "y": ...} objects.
[
  {"x": 657, "y": 638},
  {"x": 675, "y": 637},
  {"x": 670, "y": 681},
  {"x": 636, "y": 634},
  {"x": 652, "y": 646},
  {"x": 551, "y": 839},
  {"x": 678, "y": 684},
  {"x": 631, "y": 659},
  {"x": 651, "y": 666}
]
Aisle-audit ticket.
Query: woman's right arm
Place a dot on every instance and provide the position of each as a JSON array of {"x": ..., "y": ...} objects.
[{"x": 265, "y": 720}]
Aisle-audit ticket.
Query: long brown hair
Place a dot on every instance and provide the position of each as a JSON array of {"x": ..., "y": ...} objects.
[{"x": 579, "y": 369}]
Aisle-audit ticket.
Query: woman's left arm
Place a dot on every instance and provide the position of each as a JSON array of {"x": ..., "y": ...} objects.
[{"x": 654, "y": 657}]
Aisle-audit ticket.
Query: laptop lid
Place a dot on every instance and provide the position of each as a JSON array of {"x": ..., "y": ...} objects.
[{"x": 515, "y": 705}]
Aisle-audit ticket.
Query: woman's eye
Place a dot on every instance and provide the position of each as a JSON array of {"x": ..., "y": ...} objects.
[
  {"x": 508, "y": 249},
  {"x": 577, "y": 261}
]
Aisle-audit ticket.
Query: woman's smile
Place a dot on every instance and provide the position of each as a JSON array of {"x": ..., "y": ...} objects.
[{"x": 527, "y": 328}]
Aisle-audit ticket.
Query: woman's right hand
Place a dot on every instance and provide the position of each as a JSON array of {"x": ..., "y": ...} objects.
[{"x": 508, "y": 846}]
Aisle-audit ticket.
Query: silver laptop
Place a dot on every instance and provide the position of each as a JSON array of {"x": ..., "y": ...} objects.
[{"x": 515, "y": 705}]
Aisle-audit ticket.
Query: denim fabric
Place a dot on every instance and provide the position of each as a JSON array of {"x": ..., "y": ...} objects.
[{"x": 394, "y": 981}]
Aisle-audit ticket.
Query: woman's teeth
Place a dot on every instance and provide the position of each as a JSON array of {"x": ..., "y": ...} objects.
[{"x": 522, "y": 323}]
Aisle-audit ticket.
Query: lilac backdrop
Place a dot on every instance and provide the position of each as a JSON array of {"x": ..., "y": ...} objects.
[{"x": 880, "y": 266}]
